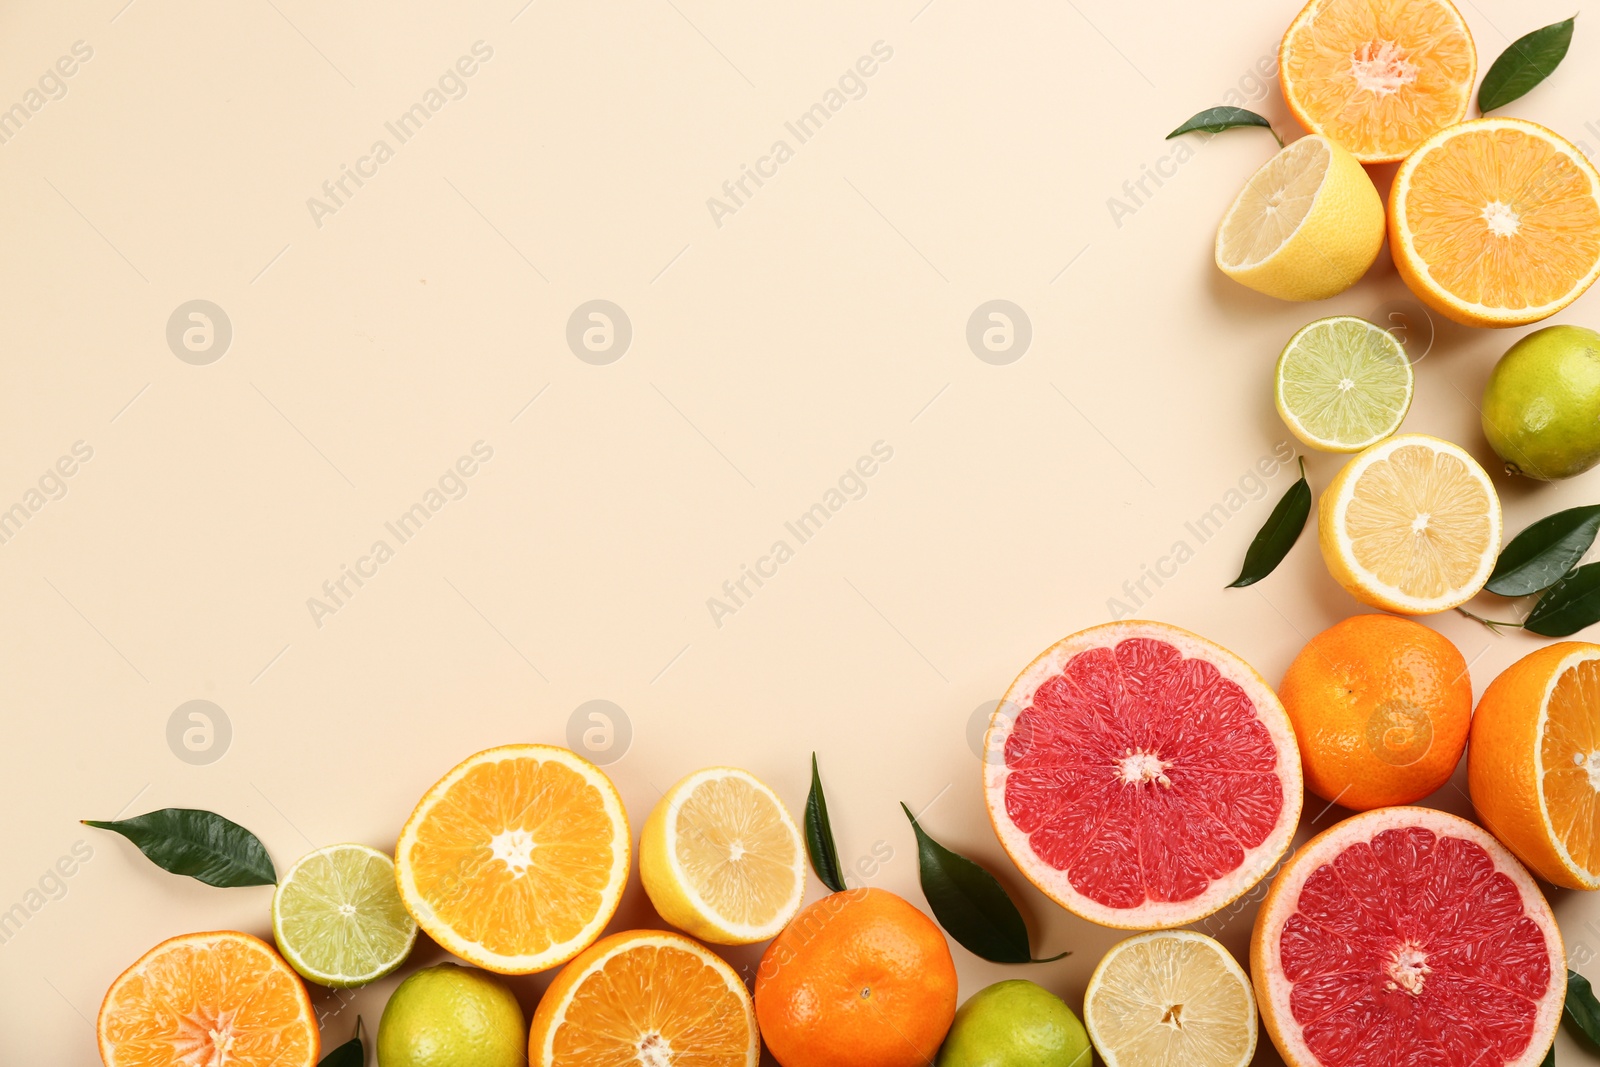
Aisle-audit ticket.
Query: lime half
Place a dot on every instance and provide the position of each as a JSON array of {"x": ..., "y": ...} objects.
[
  {"x": 338, "y": 919},
  {"x": 1343, "y": 384}
]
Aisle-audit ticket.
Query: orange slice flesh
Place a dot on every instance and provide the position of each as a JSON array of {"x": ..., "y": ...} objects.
[
  {"x": 1496, "y": 222},
  {"x": 1569, "y": 752},
  {"x": 645, "y": 997},
  {"x": 210, "y": 998},
  {"x": 1378, "y": 76},
  {"x": 516, "y": 859}
]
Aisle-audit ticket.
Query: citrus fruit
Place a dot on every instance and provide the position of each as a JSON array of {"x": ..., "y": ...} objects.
[
  {"x": 1411, "y": 525},
  {"x": 1541, "y": 408},
  {"x": 1378, "y": 76},
  {"x": 338, "y": 919},
  {"x": 1168, "y": 998},
  {"x": 1496, "y": 222},
  {"x": 448, "y": 1015},
  {"x": 1381, "y": 707},
  {"x": 721, "y": 858},
  {"x": 1305, "y": 226},
  {"x": 1407, "y": 936},
  {"x": 212, "y": 998},
  {"x": 645, "y": 997},
  {"x": 1015, "y": 1024},
  {"x": 858, "y": 979},
  {"x": 1533, "y": 767},
  {"x": 1342, "y": 384},
  {"x": 1149, "y": 778},
  {"x": 516, "y": 859}
]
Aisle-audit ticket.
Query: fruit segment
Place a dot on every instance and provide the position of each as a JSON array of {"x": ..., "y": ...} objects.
[{"x": 1174, "y": 997}]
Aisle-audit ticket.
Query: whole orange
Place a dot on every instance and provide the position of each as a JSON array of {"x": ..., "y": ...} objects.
[
  {"x": 1381, "y": 707},
  {"x": 858, "y": 979}
]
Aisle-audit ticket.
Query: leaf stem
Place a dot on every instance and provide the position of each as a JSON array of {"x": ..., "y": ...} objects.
[{"x": 1493, "y": 624}]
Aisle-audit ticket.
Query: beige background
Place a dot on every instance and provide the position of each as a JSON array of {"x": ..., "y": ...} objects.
[{"x": 828, "y": 312}]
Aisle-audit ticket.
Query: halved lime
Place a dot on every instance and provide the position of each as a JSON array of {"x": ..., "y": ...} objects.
[
  {"x": 1343, "y": 384},
  {"x": 338, "y": 919}
]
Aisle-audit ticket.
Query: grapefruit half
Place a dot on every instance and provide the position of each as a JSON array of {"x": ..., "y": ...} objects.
[
  {"x": 1407, "y": 935},
  {"x": 1141, "y": 776}
]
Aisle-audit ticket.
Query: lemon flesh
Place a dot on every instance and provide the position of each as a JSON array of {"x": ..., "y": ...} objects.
[
  {"x": 1306, "y": 226},
  {"x": 1171, "y": 997},
  {"x": 338, "y": 919},
  {"x": 1343, "y": 383}
]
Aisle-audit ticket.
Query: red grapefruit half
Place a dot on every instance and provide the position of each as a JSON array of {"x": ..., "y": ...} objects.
[
  {"x": 1142, "y": 776},
  {"x": 1407, "y": 935}
]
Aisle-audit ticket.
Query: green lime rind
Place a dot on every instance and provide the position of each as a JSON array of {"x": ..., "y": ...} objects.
[
  {"x": 338, "y": 919},
  {"x": 1343, "y": 384}
]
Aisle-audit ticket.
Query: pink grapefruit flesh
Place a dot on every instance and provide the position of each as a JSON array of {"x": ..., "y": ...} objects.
[
  {"x": 1408, "y": 935},
  {"x": 1142, "y": 776}
]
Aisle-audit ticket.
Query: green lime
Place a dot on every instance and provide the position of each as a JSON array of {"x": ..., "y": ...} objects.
[
  {"x": 1015, "y": 1024},
  {"x": 1541, "y": 408},
  {"x": 338, "y": 919},
  {"x": 452, "y": 1016},
  {"x": 1343, "y": 384}
]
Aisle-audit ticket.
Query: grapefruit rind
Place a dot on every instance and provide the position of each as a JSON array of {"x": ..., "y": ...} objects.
[
  {"x": 1273, "y": 990},
  {"x": 1152, "y": 915},
  {"x": 435, "y": 927}
]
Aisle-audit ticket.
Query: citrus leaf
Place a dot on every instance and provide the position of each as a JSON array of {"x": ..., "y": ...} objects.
[
  {"x": 1278, "y": 535},
  {"x": 200, "y": 844},
  {"x": 970, "y": 904},
  {"x": 1582, "y": 1010},
  {"x": 1541, "y": 555},
  {"x": 1217, "y": 119},
  {"x": 1550, "y": 1057},
  {"x": 1530, "y": 60},
  {"x": 819, "y": 835},
  {"x": 1569, "y": 605},
  {"x": 350, "y": 1054}
]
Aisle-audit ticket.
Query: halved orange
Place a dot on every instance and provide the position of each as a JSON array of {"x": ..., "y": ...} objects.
[
  {"x": 645, "y": 997},
  {"x": 1378, "y": 76},
  {"x": 1496, "y": 222},
  {"x": 517, "y": 858},
  {"x": 211, "y": 998}
]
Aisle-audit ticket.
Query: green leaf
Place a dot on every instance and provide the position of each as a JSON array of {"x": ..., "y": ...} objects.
[
  {"x": 1278, "y": 534},
  {"x": 1569, "y": 605},
  {"x": 1582, "y": 1010},
  {"x": 1550, "y": 1057},
  {"x": 972, "y": 907},
  {"x": 350, "y": 1054},
  {"x": 1217, "y": 119},
  {"x": 200, "y": 844},
  {"x": 819, "y": 835},
  {"x": 1530, "y": 60},
  {"x": 1542, "y": 554}
]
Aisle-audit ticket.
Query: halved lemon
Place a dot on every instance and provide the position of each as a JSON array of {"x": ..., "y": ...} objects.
[
  {"x": 1411, "y": 525},
  {"x": 1378, "y": 76},
  {"x": 1306, "y": 226},
  {"x": 1170, "y": 997},
  {"x": 645, "y": 997},
  {"x": 517, "y": 858},
  {"x": 722, "y": 859},
  {"x": 1496, "y": 222},
  {"x": 1342, "y": 384},
  {"x": 338, "y": 919}
]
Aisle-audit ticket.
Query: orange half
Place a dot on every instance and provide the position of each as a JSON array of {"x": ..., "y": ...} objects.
[
  {"x": 517, "y": 858},
  {"x": 645, "y": 997},
  {"x": 1378, "y": 76},
  {"x": 212, "y": 998},
  {"x": 1496, "y": 222}
]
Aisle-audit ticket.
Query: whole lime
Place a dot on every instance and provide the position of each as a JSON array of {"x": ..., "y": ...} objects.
[
  {"x": 452, "y": 1016},
  {"x": 1015, "y": 1024},
  {"x": 1541, "y": 408}
]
